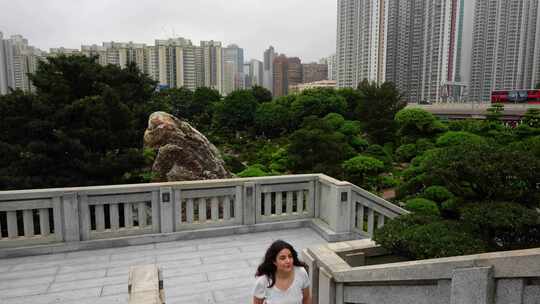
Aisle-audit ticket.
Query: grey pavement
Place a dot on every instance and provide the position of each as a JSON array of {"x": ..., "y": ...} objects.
[{"x": 216, "y": 270}]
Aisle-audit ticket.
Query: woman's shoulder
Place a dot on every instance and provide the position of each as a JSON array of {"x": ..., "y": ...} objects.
[
  {"x": 302, "y": 276},
  {"x": 300, "y": 270},
  {"x": 262, "y": 280}
]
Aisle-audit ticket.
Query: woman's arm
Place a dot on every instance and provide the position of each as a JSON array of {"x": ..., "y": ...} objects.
[
  {"x": 258, "y": 301},
  {"x": 306, "y": 296}
]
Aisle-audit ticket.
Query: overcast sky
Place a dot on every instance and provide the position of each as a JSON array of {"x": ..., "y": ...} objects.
[{"x": 303, "y": 28}]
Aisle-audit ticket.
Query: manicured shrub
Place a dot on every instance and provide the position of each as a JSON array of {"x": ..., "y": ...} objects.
[
  {"x": 424, "y": 237},
  {"x": 406, "y": 153},
  {"x": 422, "y": 206},
  {"x": 437, "y": 194},
  {"x": 453, "y": 138},
  {"x": 503, "y": 225},
  {"x": 256, "y": 170}
]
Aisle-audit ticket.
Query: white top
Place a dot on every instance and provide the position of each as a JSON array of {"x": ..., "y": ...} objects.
[{"x": 274, "y": 295}]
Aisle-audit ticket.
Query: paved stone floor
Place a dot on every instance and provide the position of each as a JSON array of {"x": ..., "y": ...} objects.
[{"x": 214, "y": 270}]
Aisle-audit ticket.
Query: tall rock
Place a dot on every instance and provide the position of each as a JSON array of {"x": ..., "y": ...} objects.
[{"x": 184, "y": 154}]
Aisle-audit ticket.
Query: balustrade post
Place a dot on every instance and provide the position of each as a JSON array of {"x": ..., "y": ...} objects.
[
  {"x": 344, "y": 210},
  {"x": 70, "y": 208},
  {"x": 166, "y": 210},
  {"x": 249, "y": 200}
]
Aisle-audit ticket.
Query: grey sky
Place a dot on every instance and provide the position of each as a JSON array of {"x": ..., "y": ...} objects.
[{"x": 303, "y": 28}]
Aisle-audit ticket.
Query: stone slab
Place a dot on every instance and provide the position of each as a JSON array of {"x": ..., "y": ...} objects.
[
  {"x": 472, "y": 286},
  {"x": 210, "y": 271}
]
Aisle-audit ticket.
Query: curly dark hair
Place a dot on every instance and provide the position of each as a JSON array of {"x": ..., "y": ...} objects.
[{"x": 268, "y": 268}]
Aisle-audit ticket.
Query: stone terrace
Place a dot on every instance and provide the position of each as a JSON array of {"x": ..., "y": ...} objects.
[{"x": 216, "y": 270}]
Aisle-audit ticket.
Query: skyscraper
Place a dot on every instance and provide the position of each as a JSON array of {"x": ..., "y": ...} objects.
[
  {"x": 256, "y": 72},
  {"x": 17, "y": 60},
  {"x": 332, "y": 66},
  {"x": 176, "y": 63},
  {"x": 268, "y": 69},
  {"x": 506, "y": 46},
  {"x": 281, "y": 75},
  {"x": 361, "y": 43},
  {"x": 294, "y": 71},
  {"x": 212, "y": 64},
  {"x": 3, "y": 67},
  {"x": 423, "y": 48},
  {"x": 233, "y": 68}
]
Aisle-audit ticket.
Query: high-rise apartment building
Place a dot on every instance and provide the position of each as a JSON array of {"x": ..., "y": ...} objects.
[
  {"x": 312, "y": 72},
  {"x": 331, "y": 63},
  {"x": 17, "y": 60},
  {"x": 424, "y": 46},
  {"x": 55, "y": 52},
  {"x": 3, "y": 67},
  {"x": 177, "y": 63},
  {"x": 505, "y": 47},
  {"x": 280, "y": 80},
  {"x": 233, "y": 68},
  {"x": 361, "y": 44},
  {"x": 268, "y": 72},
  {"x": 212, "y": 64},
  {"x": 287, "y": 72},
  {"x": 256, "y": 73},
  {"x": 294, "y": 71}
]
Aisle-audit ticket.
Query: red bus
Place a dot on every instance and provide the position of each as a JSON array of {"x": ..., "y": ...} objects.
[{"x": 516, "y": 96}]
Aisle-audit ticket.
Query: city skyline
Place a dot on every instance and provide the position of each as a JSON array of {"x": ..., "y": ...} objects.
[{"x": 252, "y": 24}]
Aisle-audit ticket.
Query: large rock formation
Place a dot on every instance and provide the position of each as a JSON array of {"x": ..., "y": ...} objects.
[{"x": 183, "y": 152}]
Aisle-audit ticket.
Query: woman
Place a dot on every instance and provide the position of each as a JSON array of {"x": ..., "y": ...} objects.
[{"x": 281, "y": 278}]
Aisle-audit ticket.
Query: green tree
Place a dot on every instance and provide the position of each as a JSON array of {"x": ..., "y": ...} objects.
[
  {"x": 256, "y": 170},
  {"x": 317, "y": 102},
  {"x": 483, "y": 172},
  {"x": 261, "y": 94},
  {"x": 503, "y": 225},
  {"x": 452, "y": 138},
  {"x": 376, "y": 109},
  {"x": 423, "y": 237},
  {"x": 415, "y": 123},
  {"x": 317, "y": 147},
  {"x": 422, "y": 206},
  {"x": 202, "y": 108},
  {"x": 84, "y": 125},
  {"x": 537, "y": 86},
  {"x": 352, "y": 97},
  {"x": 236, "y": 112},
  {"x": 272, "y": 119},
  {"x": 363, "y": 170}
]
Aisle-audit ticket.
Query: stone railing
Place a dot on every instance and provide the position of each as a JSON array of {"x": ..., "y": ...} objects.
[
  {"x": 342, "y": 273},
  {"x": 97, "y": 217}
]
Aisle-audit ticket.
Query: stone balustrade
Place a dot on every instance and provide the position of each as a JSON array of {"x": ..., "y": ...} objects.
[
  {"x": 342, "y": 273},
  {"x": 57, "y": 220}
]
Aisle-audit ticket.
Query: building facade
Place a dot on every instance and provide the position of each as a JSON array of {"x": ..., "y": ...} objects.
[
  {"x": 299, "y": 88},
  {"x": 268, "y": 68},
  {"x": 361, "y": 43},
  {"x": 281, "y": 75},
  {"x": 294, "y": 71},
  {"x": 331, "y": 63},
  {"x": 233, "y": 68},
  {"x": 424, "y": 47},
  {"x": 256, "y": 73},
  {"x": 212, "y": 64},
  {"x": 17, "y": 60},
  {"x": 312, "y": 72},
  {"x": 176, "y": 59},
  {"x": 506, "y": 47}
]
